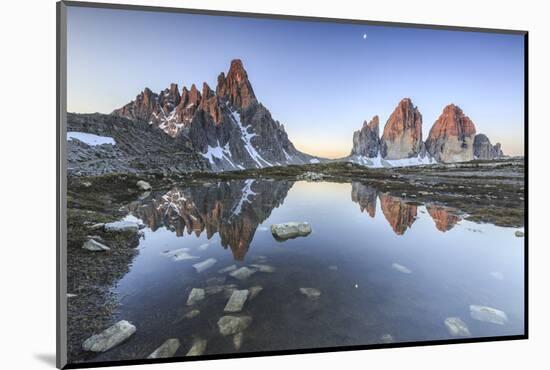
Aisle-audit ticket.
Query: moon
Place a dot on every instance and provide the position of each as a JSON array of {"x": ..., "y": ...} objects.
[{"x": 364, "y": 36}]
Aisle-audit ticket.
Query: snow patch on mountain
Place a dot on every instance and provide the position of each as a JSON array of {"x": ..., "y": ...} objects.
[
  {"x": 246, "y": 137},
  {"x": 90, "y": 139},
  {"x": 379, "y": 162},
  {"x": 221, "y": 153}
]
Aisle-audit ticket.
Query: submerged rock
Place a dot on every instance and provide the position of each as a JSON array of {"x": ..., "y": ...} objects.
[
  {"x": 238, "y": 340},
  {"x": 198, "y": 347},
  {"x": 488, "y": 314},
  {"x": 242, "y": 273},
  {"x": 519, "y": 234},
  {"x": 401, "y": 268},
  {"x": 143, "y": 185},
  {"x": 121, "y": 226},
  {"x": 196, "y": 295},
  {"x": 214, "y": 289},
  {"x": 228, "y": 290},
  {"x": 260, "y": 259},
  {"x": 95, "y": 246},
  {"x": 204, "y": 265},
  {"x": 290, "y": 230},
  {"x": 181, "y": 255},
  {"x": 254, "y": 291},
  {"x": 215, "y": 280},
  {"x": 236, "y": 301},
  {"x": 227, "y": 269},
  {"x": 167, "y": 349},
  {"x": 263, "y": 268},
  {"x": 310, "y": 292},
  {"x": 387, "y": 338},
  {"x": 110, "y": 337},
  {"x": 191, "y": 314},
  {"x": 457, "y": 327},
  {"x": 229, "y": 325}
]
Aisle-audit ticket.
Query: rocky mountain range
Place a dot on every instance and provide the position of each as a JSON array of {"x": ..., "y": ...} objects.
[
  {"x": 229, "y": 129},
  {"x": 452, "y": 138},
  {"x": 228, "y": 126}
]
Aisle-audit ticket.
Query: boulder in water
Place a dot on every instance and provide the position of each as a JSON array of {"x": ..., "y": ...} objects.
[
  {"x": 236, "y": 301},
  {"x": 110, "y": 337},
  {"x": 198, "y": 347},
  {"x": 310, "y": 292},
  {"x": 167, "y": 349},
  {"x": 204, "y": 265},
  {"x": 488, "y": 314},
  {"x": 457, "y": 327},
  {"x": 242, "y": 273},
  {"x": 290, "y": 230},
  {"x": 196, "y": 295},
  {"x": 230, "y": 325}
]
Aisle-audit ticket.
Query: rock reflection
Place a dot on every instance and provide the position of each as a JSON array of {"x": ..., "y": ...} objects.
[
  {"x": 400, "y": 213},
  {"x": 232, "y": 209},
  {"x": 365, "y": 196},
  {"x": 445, "y": 218}
]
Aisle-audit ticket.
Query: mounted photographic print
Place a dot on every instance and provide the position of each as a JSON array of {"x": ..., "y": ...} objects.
[{"x": 235, "y": 184}]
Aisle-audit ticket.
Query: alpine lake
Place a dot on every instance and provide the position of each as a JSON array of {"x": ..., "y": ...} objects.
[{"x": 393, "y": 256}]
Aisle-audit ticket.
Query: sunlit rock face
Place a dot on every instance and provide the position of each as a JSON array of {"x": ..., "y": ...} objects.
[
  {"x": 400, "y": 215},
  {"x": 402, "y": 137},
  {"x": 236, "y": 87},
  {"x": 451, "y": 137},
  {"x": 231, "y": 209},
  {"x": 366, "y": 142},
  {"x": 365, "y": 196},
  {"x": 443, "y": 217}
]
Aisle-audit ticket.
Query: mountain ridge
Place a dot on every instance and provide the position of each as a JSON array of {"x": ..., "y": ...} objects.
[
  {"x": 228, "y": 129},
  {"x": 228, "y": 126},
  {"x": 452, "y": 138}
]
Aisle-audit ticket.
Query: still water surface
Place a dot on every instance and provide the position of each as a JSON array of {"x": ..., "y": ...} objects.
[{"x": 387, "y": 270}]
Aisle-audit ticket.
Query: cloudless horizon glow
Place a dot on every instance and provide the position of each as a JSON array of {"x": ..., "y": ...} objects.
[{"x": 320, "y": 79}]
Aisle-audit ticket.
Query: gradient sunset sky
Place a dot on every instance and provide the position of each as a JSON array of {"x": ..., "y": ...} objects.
[{"x": 320, "y": 79}]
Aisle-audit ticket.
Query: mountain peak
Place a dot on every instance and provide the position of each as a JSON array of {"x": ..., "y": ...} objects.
[
  {"x": 402, "y": 137},
  {"x": 237, "y": 68},
  {"x": 366, "y": 142},
  {"x": 373, "y": 124},
  {"x": 451, "y": 137},
  {"x": 235, "y": 86}
]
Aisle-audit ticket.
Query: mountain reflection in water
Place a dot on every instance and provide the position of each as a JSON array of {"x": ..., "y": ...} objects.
[
  {"x": 400, "y": 213},
  {"x": 232, "y": 209}
]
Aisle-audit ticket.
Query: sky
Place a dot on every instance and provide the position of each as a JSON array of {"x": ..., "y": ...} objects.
[{"x": 320, "y": 79}]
